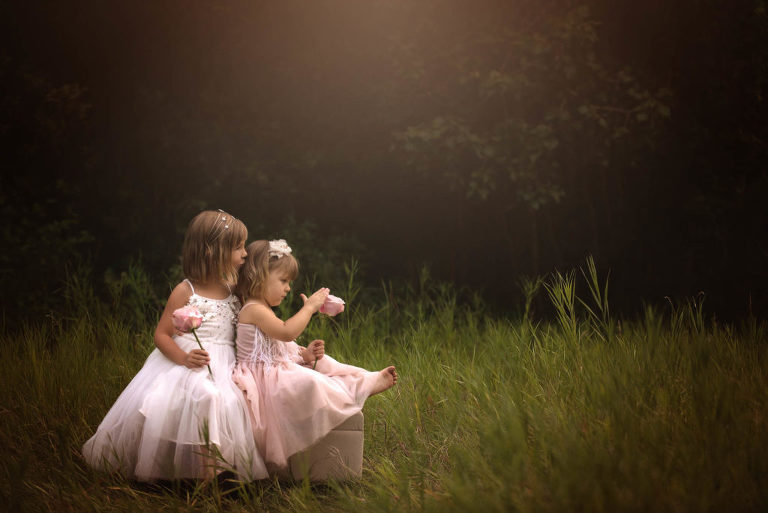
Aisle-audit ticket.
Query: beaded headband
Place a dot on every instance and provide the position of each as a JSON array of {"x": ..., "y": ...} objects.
[{"x": 220, "y": 225}]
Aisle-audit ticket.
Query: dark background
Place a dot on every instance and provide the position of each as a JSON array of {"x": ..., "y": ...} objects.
[{"x": 485, "y": 139}]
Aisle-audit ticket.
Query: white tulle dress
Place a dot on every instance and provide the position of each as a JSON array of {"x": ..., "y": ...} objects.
[
  {"x": 292, "y": 406},
  {"x": 160, "y": 426}
]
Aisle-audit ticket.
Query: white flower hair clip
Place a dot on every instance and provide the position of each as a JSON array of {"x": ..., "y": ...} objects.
[{"x": 279, "y": 248}]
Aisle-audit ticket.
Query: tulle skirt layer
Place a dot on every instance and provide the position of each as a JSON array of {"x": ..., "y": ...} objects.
[
  {"x": 172, "y": 422},
  {"x": 293, "y": 406}
]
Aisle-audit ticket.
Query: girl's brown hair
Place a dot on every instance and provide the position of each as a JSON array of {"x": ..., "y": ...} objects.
[
  {"x": 206, "y": 254},
  {"x": 252, "y": 277}
]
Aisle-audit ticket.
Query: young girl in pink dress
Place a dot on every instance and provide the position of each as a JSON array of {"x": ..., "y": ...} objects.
[
  {"x": 291, "y": 405},
  {"x": 176, "y": 420}
]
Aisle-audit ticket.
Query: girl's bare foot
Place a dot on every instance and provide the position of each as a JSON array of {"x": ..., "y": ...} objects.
[{"x": 385, "y": 380}]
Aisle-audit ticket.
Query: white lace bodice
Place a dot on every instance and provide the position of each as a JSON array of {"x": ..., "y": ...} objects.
[{"x": 219, "y": 319}]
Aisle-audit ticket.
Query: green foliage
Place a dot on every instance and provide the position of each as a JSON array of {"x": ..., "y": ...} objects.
[
  {"x": 490, "y": 414},
  {"x": 556, "y": 123},
  {"x": 43, "y": 127},
  {"x": 520, "y": 99},
  {"x": 37, "y": 247},
  {"x": 320, "y": 257},
  {"x": 599, "y": 314},
  {"x": 562, "y": 293},
  {"x": 133, "y": 296}
]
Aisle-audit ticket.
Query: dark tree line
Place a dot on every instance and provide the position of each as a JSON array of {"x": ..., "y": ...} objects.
[{"x": 487, "y": 139}]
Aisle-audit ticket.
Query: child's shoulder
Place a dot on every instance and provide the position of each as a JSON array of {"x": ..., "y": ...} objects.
[
  {"x": 179, "y": 297},
  {"x": 252, "y": 312},
  {"x": 181, "y": 292},
  {"x": 183, "y": 287}
]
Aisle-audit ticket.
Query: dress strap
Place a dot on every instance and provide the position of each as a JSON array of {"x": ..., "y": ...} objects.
[
  {"x": 190, "y": 285},
  {"x": 246, "y": 306}
]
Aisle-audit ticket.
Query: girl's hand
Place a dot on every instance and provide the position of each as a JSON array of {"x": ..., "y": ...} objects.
[
  {"x": 196, "y": 358},
  {"x": 314, "y": 351},
  {"x": 316, "y": 300}
]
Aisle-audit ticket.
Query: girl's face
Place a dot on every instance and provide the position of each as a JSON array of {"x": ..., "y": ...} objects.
[
  {"x": 276, "y": 288},
  {"x": 238, "y": 255}
]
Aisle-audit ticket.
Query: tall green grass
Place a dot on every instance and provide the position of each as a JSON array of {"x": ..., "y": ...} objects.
[{"x": 586, "y": 412}]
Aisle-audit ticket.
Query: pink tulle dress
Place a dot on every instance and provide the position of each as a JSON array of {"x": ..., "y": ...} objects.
[{"x": 291, "y": 405}]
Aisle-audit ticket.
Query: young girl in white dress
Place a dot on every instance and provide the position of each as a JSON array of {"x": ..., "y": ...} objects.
[
  {"x": 291, "y": 405},
  {"x": 175, "y": 420}
]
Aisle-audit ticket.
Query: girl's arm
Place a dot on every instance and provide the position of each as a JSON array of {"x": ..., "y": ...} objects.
[
  {"x": 165, "y": 330},
  {"x": 265, "y": 319}
]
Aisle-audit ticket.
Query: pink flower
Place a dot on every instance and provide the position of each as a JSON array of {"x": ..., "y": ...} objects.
[
  {"x": 187, "y": 318},
  {"x": 333, "y": 305}
]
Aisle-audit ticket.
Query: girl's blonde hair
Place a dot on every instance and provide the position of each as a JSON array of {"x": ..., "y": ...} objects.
[
  {"x": 206, "y": 254},
  {"x": 252, "y": 277}
]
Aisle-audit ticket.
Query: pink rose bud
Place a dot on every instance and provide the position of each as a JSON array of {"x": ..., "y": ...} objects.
[
  {"x": 187, "y": 318},
  {"x": 333, "y": 305}
]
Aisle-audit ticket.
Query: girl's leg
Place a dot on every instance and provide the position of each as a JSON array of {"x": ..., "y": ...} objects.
[
  {"x": 376, "y": 382},
  {"x": 330, "y": 367}
]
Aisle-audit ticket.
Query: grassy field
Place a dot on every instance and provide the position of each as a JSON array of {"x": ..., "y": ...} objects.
[{"x": 665, "y": 412}]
